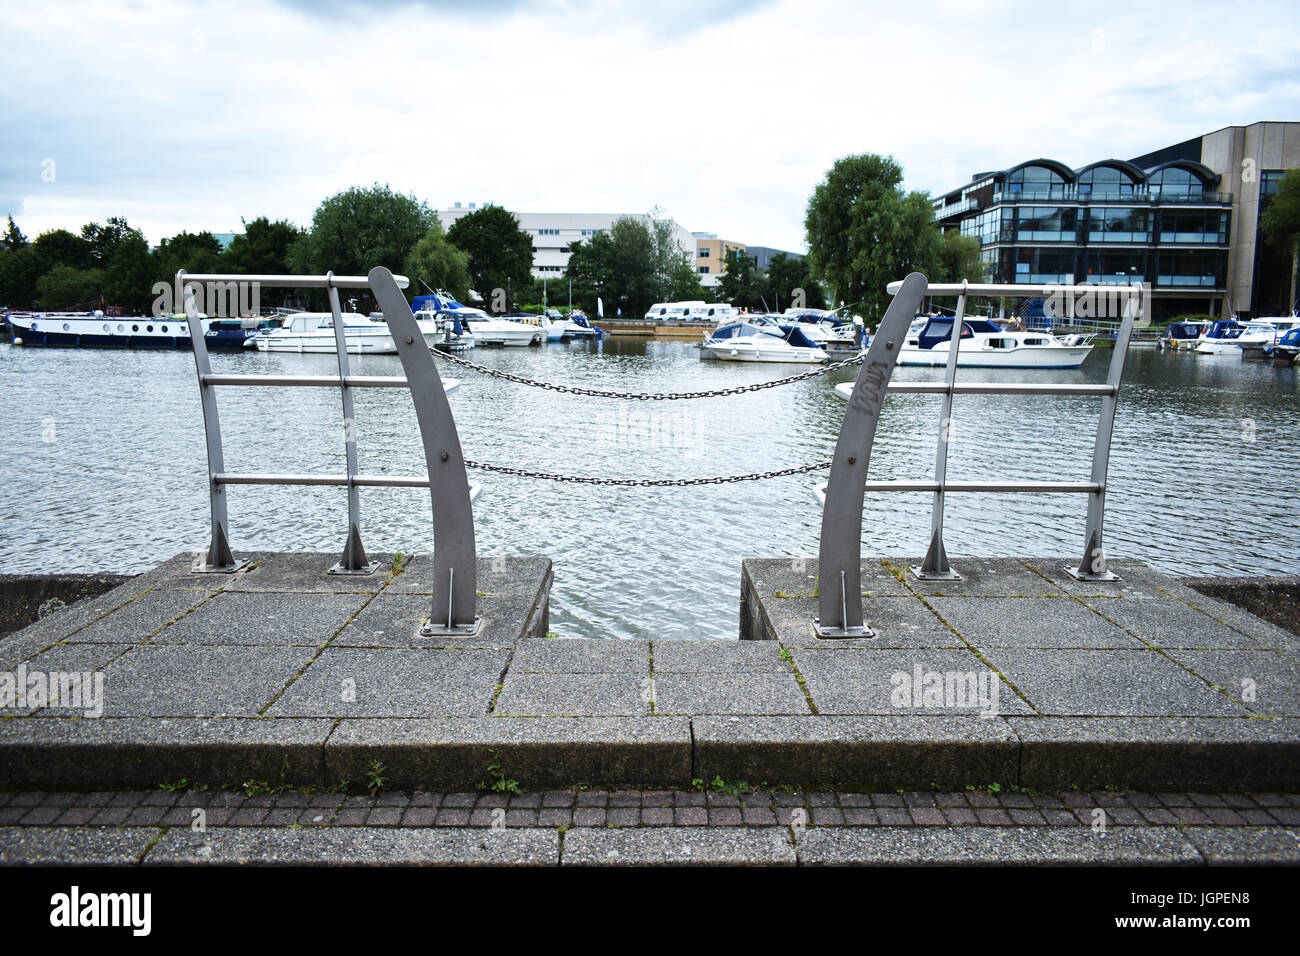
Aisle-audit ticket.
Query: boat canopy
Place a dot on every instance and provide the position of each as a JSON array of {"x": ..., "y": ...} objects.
[
  {"x": 939, "y": 329},
  {"x": 1184, "y": 330},
  {"x": 1225, "y": 329},
  {"x": 1291, "y": 339}
]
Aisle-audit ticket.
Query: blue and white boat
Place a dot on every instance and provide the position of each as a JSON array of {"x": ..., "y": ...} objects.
[
  {"x": 985, "y": 344},
  {"x": 485, "y": 329},
  {"x": 97, "y": 330},
  {"x": 765, "y": 341}
]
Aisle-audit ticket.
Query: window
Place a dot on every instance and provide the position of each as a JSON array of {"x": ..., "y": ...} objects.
[
  {"x": 1176, "y": 183},
  {"x": 1105, "y": 182},
  {"x": 1115, "y": 266},
  {"x": 1036, "y": 182},
  {"x": 704, "y": 270},
  {"x": 1193, "y": 225},
  {"x": 548, "y": 232},
  {"x": 1118, "y": 224},
  {"x": 1046, "y": 224},
  {"x": 704, "y": 252},
  {"x": 1191, "y": 267}
]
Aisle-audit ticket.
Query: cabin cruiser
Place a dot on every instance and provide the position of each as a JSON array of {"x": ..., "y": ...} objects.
[
  {"x": 1286, "y": 351},
  {"x": 984, "y": 344},
  {"x": 485, "y": 329},
  {"x": 444, "y": 333},
  {"x": 1182, "y": 336},
  {"x": 98, "y": 330},
  {"x": 314, "y": 332},
  {"x": 1230, "y": 335},
  {"x": 578, "y": 326},
  {"x": 763, "y": 342}
]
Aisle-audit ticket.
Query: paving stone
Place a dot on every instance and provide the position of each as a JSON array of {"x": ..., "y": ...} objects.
[
  {"x": 1264, "y": 681},
  {"x": 1064, "y": 682},
  {"x": 264, "y": 618},
  {"x": 62, "y": 624},
  {"x": 729, "y": 694},
  {"x": 1251, "y": 846},
  {"x": 719, "y": 657},
  {"x": 540, "y": 753},
  {"x": 73, "y": 846},
  {"x": 896, "y": 621},
  {"x": 1137, "y": 581},
  {"x": 494, "y": 575},
  {"x": 678, "y": 846},
  {"x": 393, "y": 682},
  {"x": 1173, "y": 624},
  {"x": 59, "y": 693},
  {"x": 856, "y": 751},
  {"x": 140, "y": 619},
  {"x": 797, "y": 577},
  {"x": 1051, "y": 621},
  {"x": 853, "y": 681},
  {"x": 306, "y": 572},
  {"x": 582, "y": 656},
  {"x": 389, "y": 620},
  {"x": 194, "y": 681},
  {"x": 596, "y": 695},
  {"x": 1174, "y": 752},
  {"x": 69, "y": 752},
  {"x": 981, "y": 577},
  {"x": 358, "y": 846},
  {"x": 994, "y": 846}
]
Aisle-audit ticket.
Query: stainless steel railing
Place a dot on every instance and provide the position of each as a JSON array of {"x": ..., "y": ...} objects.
[
  {"x": 839, "y": 575},
  {"x": 454, "y": 606}
]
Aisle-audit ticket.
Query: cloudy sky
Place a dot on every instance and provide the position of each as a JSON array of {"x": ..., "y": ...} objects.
[{"x": 725, "y": 113}]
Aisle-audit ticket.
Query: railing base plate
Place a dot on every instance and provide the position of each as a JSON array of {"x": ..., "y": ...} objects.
[
  {"x": 923, "y": 575},
  {"x": 370, "y": 568},
  {"x": 220, "y": 568},
  {"x": 1091, "y": 575},
  {"x": 840, "y": 633},
  {"x": 456, "y": 630}
]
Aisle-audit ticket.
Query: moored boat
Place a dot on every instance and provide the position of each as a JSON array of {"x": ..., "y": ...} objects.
[
  {"x": 984, "y": 344},
  {"x": 769, "y": 342},
  {"x": 314, "y": 332},
  {"x": 97, "y": 330}
]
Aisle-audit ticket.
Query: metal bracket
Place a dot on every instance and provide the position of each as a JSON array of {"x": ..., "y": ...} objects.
[
  {"x": 935, "y": 567},
  {"x": 840, "y": 553},
  {"x": 451, "y": 629}
]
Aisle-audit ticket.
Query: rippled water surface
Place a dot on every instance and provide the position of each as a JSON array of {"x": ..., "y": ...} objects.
[{"x": 102, "y": 468}]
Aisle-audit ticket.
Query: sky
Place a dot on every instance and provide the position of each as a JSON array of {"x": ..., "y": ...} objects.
[{"x": 723, "y": 113}]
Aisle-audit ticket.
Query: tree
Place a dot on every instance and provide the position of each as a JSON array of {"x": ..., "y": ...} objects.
[
  {"x": 18, "y": 269},
  {"x": 360, "y": 228},
  {"x": 263, "y": 249},
  {"x": 104, "y": 240},
  {"x": 192, "y": 251},
  {"x": 13, "y": 237},
  {"x": 959, "y": 258},
  {"x": 864, "y": 231},
  {"x": 619, "y": 266},
  {"x": 742, "y": 284},
  {"x": 499, "y": 253},
  {"x": 438, "y": 264},
  {"x": 675, "y": 277},
  {"x": 60, "y": 247},
  {"x": 1280, "y": 221},
  {"x": 67, "y": 287},
  {"x": 129, "y": 274},
  {"x": 791, "y": 283}
]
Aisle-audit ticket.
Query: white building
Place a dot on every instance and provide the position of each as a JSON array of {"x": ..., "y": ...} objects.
[{"x": 554, "y": 232}]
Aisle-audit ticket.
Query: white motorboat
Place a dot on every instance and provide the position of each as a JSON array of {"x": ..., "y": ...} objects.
[
  {"x": 578, "y": 326},
  {"x": 484, "y": 329},
  {"x": 984, "y": 344},
  {"x": 442, "y": 332},
  {"x": 314, "y": 332},
  {"x": 767, "y": 342},
  {"x": 1230, "y": 335}
]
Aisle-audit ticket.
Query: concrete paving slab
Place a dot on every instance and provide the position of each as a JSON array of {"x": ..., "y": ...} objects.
[
  {"x": 307, "y": 571},
  {"x": 537, "y": 752},
  {"x": 357, "y": 846},
  {"x": 911, "y": 752},
  {"x": 140, "y": 619},
  {"x": 60, "y": 624},
  {"x": 82, "y": 660},
  {"x": 582, "y": 656},
  {"x": 1171, "y": 624},
  {"x": 199, "y": 681},
  {"x": 896, "y": 621},
  {"x": 74, "y": 846},
  {"x": 1065, "y": 682},
  {"x": 143, "y": 752},
  {"x": 885, "y": 681},
  {"x": 498, "y": 575},
  {"x": 1246, "y": 846},
  {"x": 252, "y": 617},
  {"x": 753, "y": 693},
  {"x": 1261, "y": 631},
  {"x": 574, "y": 695},
  {"x": 718, "y": 657},
  {"x": 1137, "y": 580},
  {"x": 20, "y": 647},
  {"x": 797, "y": 577},
  {"x": 994, "y": 846},
  {"x": 1264, "y": 681},
  {"x": 394, "y": 620},
  {"x": 981, "y": 577},
  {"x": 394, "y": 682},
  {"x": 1158, "y": 753},
  {"x": 1032, "y": 622},
  {"x": 678, "y": 846}
]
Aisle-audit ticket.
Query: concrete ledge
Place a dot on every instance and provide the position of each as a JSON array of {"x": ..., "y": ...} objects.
[
  {"x": 1158, "y": 752},
  {"x": 267, "y": 846},
  {"x": 857, "y": 751},
  {"x": 23, "y": 595},
  {"x": 538, "y": 752},
  {"x": 679, "y": 846},
  {"x": 126, "y": 752},
  {"x": 1275, "y": 599},
  {"x": 1246, "y": 846},
  {"x": 995, "y": 846},
  {"x": 74, "y": 846}
]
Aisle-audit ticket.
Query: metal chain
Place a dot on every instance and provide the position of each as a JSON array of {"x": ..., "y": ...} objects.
[
  {"x": 645, "y": 396},
  {"x": 647, "y": 482}
]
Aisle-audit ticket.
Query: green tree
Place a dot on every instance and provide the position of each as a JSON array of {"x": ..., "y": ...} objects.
[
  {"x": 675, "y": 276},
  {"x": 619, "y": 266},
  {"x": 500, "y": 254},
  {"x": 742, "y": 284},
  {"x": 360, "y": 228},
  {"x": 67, "y": 287},
  {"x": 19, "y": 270},
  {"x": 129, "y": 274},
  {"x": 13, "y": 237},
  {"x": 790, "y": 280},
  {"x": 1280, "y": 221},
  {"x": 60, "y": 247},
  {"x": 104, "y": 240},
  {"x": 436, "y": 263},
  {"x": 263, "y": 249},
  {"x": 864, "y": 231},
  {"x": 959, "y": 258},
  {"x": 192, "y": 251}
]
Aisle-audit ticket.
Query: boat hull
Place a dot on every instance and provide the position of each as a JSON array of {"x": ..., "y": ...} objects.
[
  {"x": 1064, "y": 357},
  {"x": 370, "y": 344},
  {"x": 135, "y": 333},
  {"x": 739, "y": 352}
]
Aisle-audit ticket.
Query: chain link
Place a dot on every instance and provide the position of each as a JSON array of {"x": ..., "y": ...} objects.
[
  {"x": 647, "y": 482},
  {"x": 645, "y": 396}
]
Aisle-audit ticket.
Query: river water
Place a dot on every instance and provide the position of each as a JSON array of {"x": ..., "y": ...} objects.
[{"x": 102, "y": 468}]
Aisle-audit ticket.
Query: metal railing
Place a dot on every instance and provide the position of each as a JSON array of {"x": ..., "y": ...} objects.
[
  {"x": 839, "y": 572},
  {"x": 450, "y": 489}
]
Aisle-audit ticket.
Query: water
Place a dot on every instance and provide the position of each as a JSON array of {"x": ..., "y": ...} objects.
[{"x": 102, "y": 468}]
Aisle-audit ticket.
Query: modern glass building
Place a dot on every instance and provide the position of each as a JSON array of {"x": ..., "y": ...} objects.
[{"x": 1184, "y": 219}]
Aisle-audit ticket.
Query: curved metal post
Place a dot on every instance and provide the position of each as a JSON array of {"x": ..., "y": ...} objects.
[
  {"x": 1093, "y": 565},
  {"x": 353, "y": 560},
  {"x": 840, "y": 553},
  {"x": 454, "y": 572},
  {"x": 935, "y": 567},
  {"x": 219, "y": 559}
]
